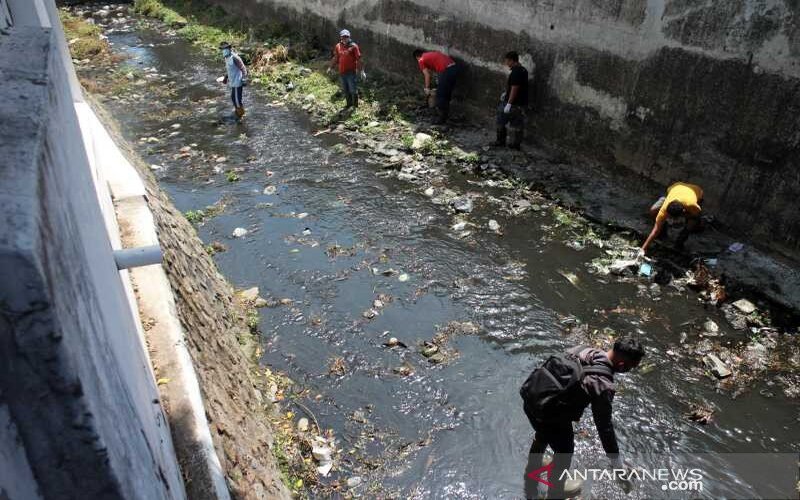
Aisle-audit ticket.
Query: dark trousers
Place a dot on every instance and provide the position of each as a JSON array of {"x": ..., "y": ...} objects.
[
  {"x": 561, "y": 439},
  {"x": 445, "y": 86},
  {"x": 236, "y": 96}
]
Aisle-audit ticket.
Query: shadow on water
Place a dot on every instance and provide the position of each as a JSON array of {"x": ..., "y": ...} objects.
[{"x": 450, "y": 430}]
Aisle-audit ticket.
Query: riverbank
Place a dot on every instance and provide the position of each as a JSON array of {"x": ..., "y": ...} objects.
[{"x": 365, "y": 236}]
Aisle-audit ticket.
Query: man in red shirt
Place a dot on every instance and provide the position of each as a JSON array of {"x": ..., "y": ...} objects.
[
  {"x": 446, "y": 70},
  {"x": 347, "y": 56}
]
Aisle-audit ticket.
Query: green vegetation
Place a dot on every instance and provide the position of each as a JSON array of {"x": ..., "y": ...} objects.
[
  {"x": 83, "y": 38},
  {"x": 232, "y": 176},
  {"x": 195, "y": 216},
  {"x": 157, "y": 10}
]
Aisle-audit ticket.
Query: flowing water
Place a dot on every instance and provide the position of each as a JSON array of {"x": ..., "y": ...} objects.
[{"x": 451, "y": 430}]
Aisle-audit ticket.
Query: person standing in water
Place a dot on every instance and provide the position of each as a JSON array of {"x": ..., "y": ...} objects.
[{"x": 235, "y": 76}]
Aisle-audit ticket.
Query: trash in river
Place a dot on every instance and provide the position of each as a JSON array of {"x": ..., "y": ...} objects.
[
  {"x": 494, "y": 226},
  {"x": 745, "y": 306},
  {"x": 459, "y": 226},
  {"x": 337, "y": 367},
  {"x": 571, "y": 277},
  {"x": 701, "y": 415},
  {"x": 250, "y": 295},
  {"x": 619, "y": 266},
  {"x": 710, "y": 329},
  {"x": 403, "y": 371},
  {"x": 402, "y": 277},
  {"x": 270, "y": 190},
  {"x": 302, "y": 424},
  {"x": 393, "y": 342},
  {"x": 240, "y": 232},
  {"x": 429, "y": 192},
  {"x": 323, "y": 454},
  {"x": 462, "y": 204},
  {"x": 645, "y": 269},
  {"x": 354, "y": 481},
  {"x": 717, "y": 366},
  {"x": 370, "y": 313},
  {"x": 428, "y": 349},
  {"x": 736, "y": 247}
]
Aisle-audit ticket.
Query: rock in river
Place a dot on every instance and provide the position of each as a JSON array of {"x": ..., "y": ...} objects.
[{"x": 462, "y": 204}]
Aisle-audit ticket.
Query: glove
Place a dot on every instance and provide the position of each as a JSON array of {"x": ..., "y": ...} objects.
[
  {"x": 329, "y": 70},
  {"x": 363, "y": 75},
  {"x": 427, "y": 91},
  {"x": 507, "y": 108}
]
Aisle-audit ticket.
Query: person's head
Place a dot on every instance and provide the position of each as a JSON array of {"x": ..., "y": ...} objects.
[
  {"x": 225, "y": 47},
  {"x": 418, "y": 53},
  {"x": 675, "y": 210},
  {"x": 344, "y": 36},
  {"x": 511, "y": 59},
  {"x": 626, "y": 354}
]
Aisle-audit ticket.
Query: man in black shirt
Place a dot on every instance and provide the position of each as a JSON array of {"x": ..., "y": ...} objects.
[{"x": 511, "y": 111}]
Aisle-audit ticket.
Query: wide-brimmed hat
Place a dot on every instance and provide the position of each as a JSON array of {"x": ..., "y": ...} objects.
[{"x": 224, "y": 45}]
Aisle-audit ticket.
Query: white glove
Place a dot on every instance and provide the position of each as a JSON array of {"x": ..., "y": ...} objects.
[
  {"x": 427, "y": 91},
  {"x": 507, "y": 108},
  {"x": 363, "y": 75},
  {"x": 329, "y": 70}
]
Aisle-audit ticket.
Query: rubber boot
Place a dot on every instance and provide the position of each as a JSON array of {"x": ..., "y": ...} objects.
[
  {"x": 355, "y": 100},
  {"x": 349, "y": 98},
  {"x": 500, "y": 142},
  {"x": 516, "y": 139}
]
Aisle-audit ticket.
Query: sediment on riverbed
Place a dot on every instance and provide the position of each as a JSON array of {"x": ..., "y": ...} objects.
[{"x": 222, "y": 347}]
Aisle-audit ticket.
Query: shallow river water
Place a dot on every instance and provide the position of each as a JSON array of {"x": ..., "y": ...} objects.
[{"x": 451, "y": 430}]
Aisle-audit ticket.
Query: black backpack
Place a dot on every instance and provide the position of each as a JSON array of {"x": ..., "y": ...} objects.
[{"x": 553, "y": 393}]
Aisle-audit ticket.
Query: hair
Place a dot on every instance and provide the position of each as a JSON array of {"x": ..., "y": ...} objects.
[
  {"x": 418, "y": 53},
  {"x": 224, "y": 45},
  {"x": 675, "y": 209},
  {"x": 512, "y": 56},
  {"x": 630, "y": 349}
]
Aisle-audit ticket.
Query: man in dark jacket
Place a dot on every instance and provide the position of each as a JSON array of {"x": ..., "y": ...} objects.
[
  {"x": 596, "y": 388},
  {"x": 513, "y": 102}
]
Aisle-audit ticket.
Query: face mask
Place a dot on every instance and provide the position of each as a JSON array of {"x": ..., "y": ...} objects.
[{"x": 226, "y": 52}]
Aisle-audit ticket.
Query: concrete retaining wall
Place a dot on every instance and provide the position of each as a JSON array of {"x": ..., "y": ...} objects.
[
  {"x": 707, "y": 92},
  {"x": 79, "y": 408}
]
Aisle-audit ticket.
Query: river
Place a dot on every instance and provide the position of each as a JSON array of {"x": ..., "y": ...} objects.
[{"x": 329, "y": 238}]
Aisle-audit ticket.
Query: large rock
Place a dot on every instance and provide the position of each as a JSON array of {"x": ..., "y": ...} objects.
[{"x": 420, "y": 141}]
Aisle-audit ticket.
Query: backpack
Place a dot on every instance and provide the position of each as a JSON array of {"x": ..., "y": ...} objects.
[{"x": 553, "y": 393}]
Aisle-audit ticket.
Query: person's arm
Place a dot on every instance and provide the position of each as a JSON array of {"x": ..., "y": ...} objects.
[
  {"x": 334, "y": 59},
  {"x": 653, "y": 234},
  {"x": 427, "y": 74},
  {"x": 240, "y": 64},
  {"x": 601, "y": 412},
  {"x": 512, "y": 96}
]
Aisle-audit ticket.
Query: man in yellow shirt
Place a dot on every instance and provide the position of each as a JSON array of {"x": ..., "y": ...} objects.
[{"x": 682, "y": 200}]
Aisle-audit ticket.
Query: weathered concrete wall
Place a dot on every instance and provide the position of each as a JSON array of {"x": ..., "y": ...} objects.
[
  {"x": 705, "y": 91},
  {"x": 78, "y": 402}
]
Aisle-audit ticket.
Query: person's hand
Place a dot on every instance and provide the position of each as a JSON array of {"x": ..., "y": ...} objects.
[
  {"x": 427, "y": 91},
  {"x": 363, "y": 75},
  {"x": 329, "y": 70},
  {"x": 640, "y": 254},
  {"x": 507, "y": 108}
]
